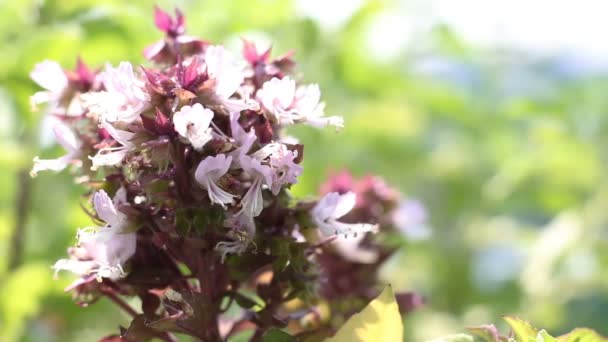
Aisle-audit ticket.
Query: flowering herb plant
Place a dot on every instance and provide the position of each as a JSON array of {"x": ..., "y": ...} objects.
[{"x": 188, "y": 171}]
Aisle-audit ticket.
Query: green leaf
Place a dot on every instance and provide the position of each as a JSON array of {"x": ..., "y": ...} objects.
[
  {"x": 183, "y": 224},
  {"x": 543, "y": 336},
  {"x": 523, "y": 330},
  {"x": 139, "y": 331},
  {"x": 582, "y": 335},
  {"x": 248, "y": 302},
  {"x": 276, "y": 335},
  {"x": 378, "y": 321},
  {"x": 280, "y": 248}
]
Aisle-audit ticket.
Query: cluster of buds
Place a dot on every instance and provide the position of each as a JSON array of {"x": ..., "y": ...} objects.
[
  {"x": 189, "y": 178},
  {"x": 349, "y": 267}
]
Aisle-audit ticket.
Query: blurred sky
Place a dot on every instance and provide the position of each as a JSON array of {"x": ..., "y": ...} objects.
[{"x": 543, "y": 27}]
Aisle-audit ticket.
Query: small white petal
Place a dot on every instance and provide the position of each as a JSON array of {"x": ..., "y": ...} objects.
[
  {"x": 241, "y": 222},
  {"x": 111, "y": 156},
  {"x": 253, "y": 201},
  {"x": 122, "y": 80},
  {"x": 40, "y": 97},
  {"x": 289, "y": 105},
  {"x": 108, "y": 157},
  {"x": 277, "y": 95},
  {"x": 332, "y": 207},
  {"x": 50, "y": 164},
  {"x": 308, "y": 98},
  {"x": 244, "y": 140},
  {"x": 345, "y": 204},
  {"x": 208, "y": 172},
  {"x": 67, "y": 139},
  {"x": 50, "y": 76},
  {"x": 334, "y": 227},
  {"x": 102, "y": 250},
  {"x": 218, "y": 195},
  {"x": 256, "y": 169},
  {"x": 79, "y": 267},
  {"x": 105, "y": 208},
  {"x": 121, "y": 136},
  {"x": 231, "y": 247},
  {"x": 223, "y": 69},
  {"x": 123, "y": 99},
  {"x": 192, "y": 123},
  {"x": 350, "y": 249},
  {"x": 239, "y": 105}
]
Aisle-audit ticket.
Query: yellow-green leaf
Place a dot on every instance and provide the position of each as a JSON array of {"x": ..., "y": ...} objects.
[
  {"x": 523, "y": 330},
  {"x": 543, "y": 336},
  {"x": 582, "y": 335},
  {"x": 378, "y": 321}
]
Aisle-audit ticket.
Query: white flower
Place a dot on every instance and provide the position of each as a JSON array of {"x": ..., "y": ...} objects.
[
  {"x": 231, "y": 247},
  {"x": 50, "y": 76},
  {"x": 297, "y": 235},
  {"x": 110, "y": 156},
  {"x": 351, "y": 249},
  {"x": 244, "y": 140},
  {"x": 106, "y": 208},
  {"x": 332, "y": 207},
  {"x": 192, "y": 123},
  {"x": 208, "y": 172},
  {"x": 102, "y": 251},
  {"x": 289, "y": 105},
  {"x": 67, "y": 139},
  {"x": 261, "y": 175},
  {"x": 311, "y": 111},
  {"x": 281, "y": 160},
  {"x": 277, "y": 96},
  {"x": 240, "y": 223},
  {"x": 410, "y": 218},
  {"x": 107, "y": 212},
  {"x": 124, "y": 97},
  {"x": 242, "y": 230},
  {"x": 286, "y": 171},
  {"x": 228, "y": 76}
]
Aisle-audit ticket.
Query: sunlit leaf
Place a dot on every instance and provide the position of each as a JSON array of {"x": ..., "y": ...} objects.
[
  {"x": 276, "y": 335},
  {"x": 544, "y": 336},
  {"x": 378, "y": 321},
  {"x": 523, "y": 330},
  {"x": 582, "y": 335}
]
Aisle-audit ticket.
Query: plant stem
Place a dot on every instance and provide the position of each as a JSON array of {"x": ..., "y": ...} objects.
[
  {"x": 111, "y": 294},
  {"x": 21, "y": 210}
]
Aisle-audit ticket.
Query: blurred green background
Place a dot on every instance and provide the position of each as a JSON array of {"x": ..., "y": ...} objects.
[{"x": 506, "y": 149}]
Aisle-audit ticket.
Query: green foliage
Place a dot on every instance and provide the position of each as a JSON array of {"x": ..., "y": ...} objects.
[
  {"x": 523, "y": 331},
  {"x": 276, "y": 335},
  {"x": 22, "y": 292},
  {"x": 581, "y": 335}
]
